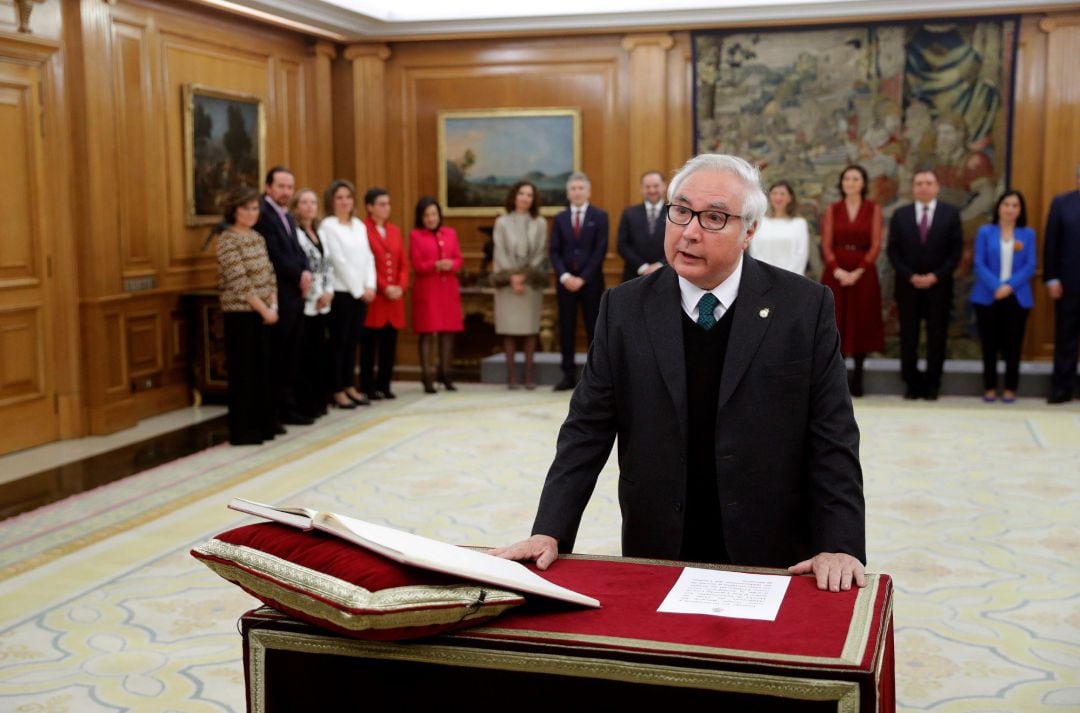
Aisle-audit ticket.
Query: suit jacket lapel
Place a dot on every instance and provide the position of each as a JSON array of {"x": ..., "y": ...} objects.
[
  {"x": 663, "y": 318},
  {"x": 751, "y": 320}
]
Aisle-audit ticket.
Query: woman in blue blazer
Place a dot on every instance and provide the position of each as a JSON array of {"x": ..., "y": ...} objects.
[{"x": 1004, "y": 265}]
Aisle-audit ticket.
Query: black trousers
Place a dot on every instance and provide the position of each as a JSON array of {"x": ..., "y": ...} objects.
[
  {"x": 916, "y": 306},
  {"x": 381, "y": 343},
  {"x": 1066, "y": 339},
  {"x": 1001, "y": 331},
  {"x": 247, "y": 359},
  {"x": 346, "y": 318},
  {"x": 286, "y": 338},
  {"x": 314, "y": 383},
  {"x": 588, "y": 300}
]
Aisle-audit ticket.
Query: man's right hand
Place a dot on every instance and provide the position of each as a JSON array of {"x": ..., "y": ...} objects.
[
  {"x": 542, "y": 549},
  {"x": 1054, "y": 290}
]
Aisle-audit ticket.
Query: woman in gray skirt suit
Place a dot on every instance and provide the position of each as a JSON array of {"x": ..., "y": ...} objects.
[{"x": 520, "y": 275}]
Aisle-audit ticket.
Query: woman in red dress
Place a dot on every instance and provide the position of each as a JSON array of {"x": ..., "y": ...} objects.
[
  {"x": 436, "y": 308},
  {"x": 850, "y": 245}
]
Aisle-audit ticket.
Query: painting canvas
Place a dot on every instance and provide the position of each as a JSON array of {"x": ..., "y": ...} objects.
[
  {"x": 224, "y": 137},
  {"x": 890, "y": 97},
  {"x": 483, "y": 153}
]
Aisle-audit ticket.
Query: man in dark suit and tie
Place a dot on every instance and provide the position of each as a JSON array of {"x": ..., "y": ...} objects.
[
  {"x": 1061, "y": 272},
  {"x": 579, "y": 239},
  {"x": 925, "y": 244},
  {"x": 277, "y": 227},
  {"x": 722, "y": 380},
  {"x": 641, "y": 230}
]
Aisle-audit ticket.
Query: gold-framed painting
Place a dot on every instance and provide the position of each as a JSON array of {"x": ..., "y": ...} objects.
[
  {"x": 224, "y": 147},
  {"x": 483, "y": 152}
]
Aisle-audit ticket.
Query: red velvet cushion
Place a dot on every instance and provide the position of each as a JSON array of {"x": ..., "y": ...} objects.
[{"x": 328, "y": 582}]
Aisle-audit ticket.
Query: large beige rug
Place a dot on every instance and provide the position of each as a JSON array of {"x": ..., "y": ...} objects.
[{"x": 972, "y": 508}]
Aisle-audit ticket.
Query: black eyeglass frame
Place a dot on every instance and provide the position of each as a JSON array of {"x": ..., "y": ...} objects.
[{"x": 697, "y": 214}]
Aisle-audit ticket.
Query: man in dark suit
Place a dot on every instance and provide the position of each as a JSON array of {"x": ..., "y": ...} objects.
[
  {"x": 1061, "y": 272},
  {"x": 721, "y": 378},
  {"x": 641, "y": 230},
  {"x": 277, "y": 227},
  {"x": 925, "y": 244},
  {"x": 579, "y": 239}
]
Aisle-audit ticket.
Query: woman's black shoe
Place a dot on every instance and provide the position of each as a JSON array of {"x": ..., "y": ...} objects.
[
  {"x": 449, "y": 386},
  {"x": 429, "y": 388}
]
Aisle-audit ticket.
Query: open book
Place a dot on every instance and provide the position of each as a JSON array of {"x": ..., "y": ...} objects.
[{"x": 417, "y": 551}]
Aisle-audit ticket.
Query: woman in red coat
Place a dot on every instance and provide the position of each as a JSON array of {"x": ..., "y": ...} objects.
[
  {"x": 850, "y": 244},
  {"x": 436, "y": 260},
  {"x": 386, "y": 314}
]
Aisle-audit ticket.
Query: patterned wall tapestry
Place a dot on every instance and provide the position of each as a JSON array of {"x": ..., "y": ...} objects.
[{"x": 891, "y": 97}]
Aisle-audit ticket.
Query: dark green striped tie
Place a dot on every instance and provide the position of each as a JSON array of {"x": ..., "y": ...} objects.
[{"x": 706, "y": 316}]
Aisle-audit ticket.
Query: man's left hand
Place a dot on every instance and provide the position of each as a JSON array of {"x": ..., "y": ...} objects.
[{"x": 834, "y": 571}]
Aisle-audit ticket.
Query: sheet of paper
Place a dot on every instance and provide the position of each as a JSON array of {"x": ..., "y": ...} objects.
[{"x": 739, "y": 595}]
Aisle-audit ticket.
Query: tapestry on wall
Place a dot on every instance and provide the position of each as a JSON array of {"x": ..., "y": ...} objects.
[{"x": 890, "y": 97}]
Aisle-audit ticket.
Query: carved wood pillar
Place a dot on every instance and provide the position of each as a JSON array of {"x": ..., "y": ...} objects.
[
  {"x": 648, "y": 103},
  {"x": 369, "y": 114},
  {"x": 320, "y": 168}
]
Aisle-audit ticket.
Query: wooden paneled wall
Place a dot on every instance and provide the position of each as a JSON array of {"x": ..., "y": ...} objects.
[{"x": 134, "y": 59}]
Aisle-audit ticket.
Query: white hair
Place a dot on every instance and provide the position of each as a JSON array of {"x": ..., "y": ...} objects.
[
  {"x": 577, "y": 176},
  {"x": 755, "y": 203}
]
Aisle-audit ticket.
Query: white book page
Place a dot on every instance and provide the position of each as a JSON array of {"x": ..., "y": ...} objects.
[
  {"x": 408, "y": 548},
  {"x": 739, "y": 595}
]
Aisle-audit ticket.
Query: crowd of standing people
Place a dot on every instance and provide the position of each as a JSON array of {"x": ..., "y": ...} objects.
[{"x": 304, "y": 294}]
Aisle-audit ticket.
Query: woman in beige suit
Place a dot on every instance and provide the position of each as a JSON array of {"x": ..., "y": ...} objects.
[{"x": 520, "y": 275}]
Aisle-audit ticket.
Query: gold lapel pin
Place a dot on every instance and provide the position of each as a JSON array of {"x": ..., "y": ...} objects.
[{"x": 764, "y": 312}]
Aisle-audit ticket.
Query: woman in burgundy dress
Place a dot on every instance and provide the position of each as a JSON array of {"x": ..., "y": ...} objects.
[
  {"x": 436, "y": 308},
  {"x": 850, "y": 244}
]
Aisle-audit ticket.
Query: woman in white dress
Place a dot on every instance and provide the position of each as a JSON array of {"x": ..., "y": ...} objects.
[
  {"x": 782, "y": 239},
  {"x": 519, "y": 276}
]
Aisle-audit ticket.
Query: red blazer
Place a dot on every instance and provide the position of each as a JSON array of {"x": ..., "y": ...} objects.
[
  {"x": 436, "y": 302},
  {"x": 391, "y": 268}
]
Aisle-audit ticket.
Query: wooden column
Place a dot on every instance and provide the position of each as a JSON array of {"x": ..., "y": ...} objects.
[
  {"x": 320, "y": 159},
  {"x": 369, "y": 114},
  {"x": 648, "y": 106}
]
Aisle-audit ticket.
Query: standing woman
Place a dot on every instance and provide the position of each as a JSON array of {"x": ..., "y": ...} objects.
[
  {"x": 313, "y": 380},
  {"x": 519, "y": 276},
  {"x": 249, "y": 303},
  {"x": 782, "y": 239},
  {"x": 850, "y": 245},
  {"x": 386, "y": 315},
  {"x": 1004, "y": 264},
  {"x": 436, "y": 306},
  {"x": 346, "y": 240}
]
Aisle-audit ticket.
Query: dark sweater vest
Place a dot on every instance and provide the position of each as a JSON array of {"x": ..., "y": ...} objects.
[{"x": 703, "y": 532}]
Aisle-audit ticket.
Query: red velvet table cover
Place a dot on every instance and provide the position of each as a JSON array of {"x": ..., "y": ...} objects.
[{"x": 817, "y": 636}]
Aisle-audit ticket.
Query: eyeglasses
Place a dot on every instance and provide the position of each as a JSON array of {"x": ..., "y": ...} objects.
[{"x": 712, "y": 219}]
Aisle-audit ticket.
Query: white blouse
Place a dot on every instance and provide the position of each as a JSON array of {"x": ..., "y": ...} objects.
[
  {"x": 350, "y": 254},
  {"x": 782, "y": 242}
]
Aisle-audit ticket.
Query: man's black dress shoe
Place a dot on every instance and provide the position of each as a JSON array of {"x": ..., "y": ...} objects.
[
  {"x": 930, "y": 395},
  {"x": 1059, "y": 397},
  {"x": 388, "y": 394},
  {"x": 567, "y": 384},
  {"x": 278, "y": 430},
  {"x": 911, "y": 394}
]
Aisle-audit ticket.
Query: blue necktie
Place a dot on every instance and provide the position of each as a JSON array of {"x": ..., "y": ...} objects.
[{"x": 706, "y": 316}]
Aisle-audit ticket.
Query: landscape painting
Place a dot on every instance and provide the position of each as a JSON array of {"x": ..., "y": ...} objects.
[
  {"x": 483, "y": 153},
  {"x": 224, "y": 144}
]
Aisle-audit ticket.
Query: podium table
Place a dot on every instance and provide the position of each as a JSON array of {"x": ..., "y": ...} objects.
[{"x": 824, "y": 652}]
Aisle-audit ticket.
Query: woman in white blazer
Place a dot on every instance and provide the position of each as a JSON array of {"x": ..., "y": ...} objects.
[{"x": 354, "y": 287}]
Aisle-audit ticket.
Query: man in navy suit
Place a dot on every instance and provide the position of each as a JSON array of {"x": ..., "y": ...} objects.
[
  {"x": 722, "y": 381},
  {"x": 579, "y": 239},
  {"x": 925, "y": 244},
  {"x": 1061, "y": 272},
  {"x": 278, "y": 229},
  {"x": 641, "y": 229}
]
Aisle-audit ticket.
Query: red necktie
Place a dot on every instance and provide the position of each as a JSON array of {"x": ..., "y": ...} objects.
[
  {"x": 924, "y": 225},
  {"x": 577, "y": 223}
]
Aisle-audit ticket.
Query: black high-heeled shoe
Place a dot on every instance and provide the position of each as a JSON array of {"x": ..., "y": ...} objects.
[
  {"x": 448, "y": 385},
  {"x": 429, "y": 388}
]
